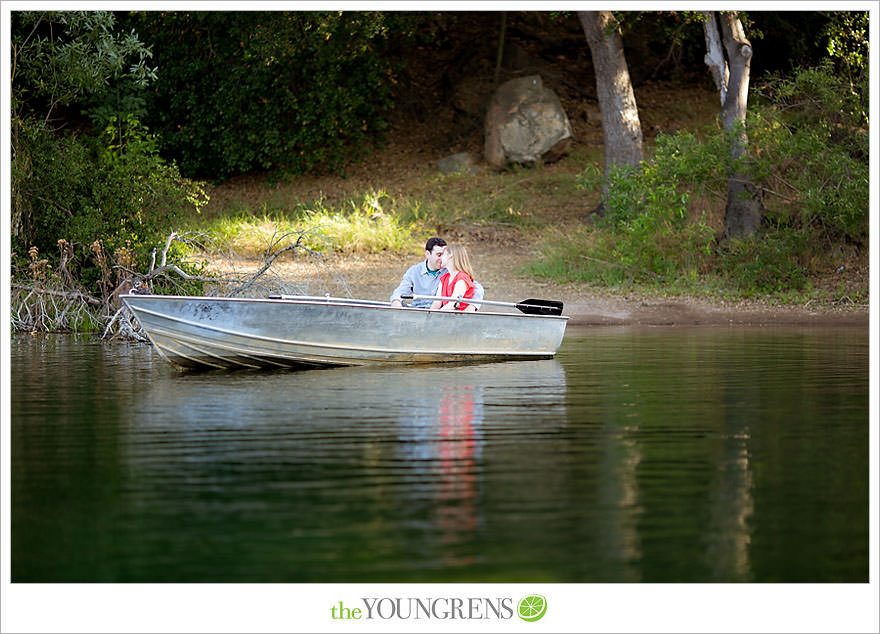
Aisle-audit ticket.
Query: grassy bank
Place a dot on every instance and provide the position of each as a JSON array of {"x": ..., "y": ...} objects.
[
  {"x": 541, "y": 213},
  {"x": 661, "y": 234},
  {"x": 387, "y": 211},
  {"x": 536, "y": 218}
]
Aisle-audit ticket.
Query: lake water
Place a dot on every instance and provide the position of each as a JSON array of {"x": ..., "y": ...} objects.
[{"x": 637, "y": 455}]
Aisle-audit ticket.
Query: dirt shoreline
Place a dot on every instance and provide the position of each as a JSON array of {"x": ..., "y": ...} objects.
[
  {"x": 673, "y": 312},
  {"x": 374, "y": 277}
]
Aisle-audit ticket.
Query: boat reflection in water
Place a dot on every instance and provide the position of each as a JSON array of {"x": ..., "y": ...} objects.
[{"x": 392, "y": 458}]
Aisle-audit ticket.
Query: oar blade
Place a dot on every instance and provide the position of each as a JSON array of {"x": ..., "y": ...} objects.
[{"x": 540, "y": 307}]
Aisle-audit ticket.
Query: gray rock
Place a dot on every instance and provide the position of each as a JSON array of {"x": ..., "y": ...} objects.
[
  {"x": 525, "y": 123},
  {"x": 463, "y": 162}
]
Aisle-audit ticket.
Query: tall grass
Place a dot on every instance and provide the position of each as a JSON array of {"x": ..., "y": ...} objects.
[
  {"x": 376, "y": 221},
  {"x": 364, "y": 226}
]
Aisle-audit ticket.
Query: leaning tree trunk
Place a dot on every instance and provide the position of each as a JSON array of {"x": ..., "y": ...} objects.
[
  {"x": 742, "y": 216},
  {"x": 617, "y": 102}
]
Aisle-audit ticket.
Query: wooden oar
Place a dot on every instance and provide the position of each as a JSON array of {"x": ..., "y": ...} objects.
[{"x": 527, "y": 306}]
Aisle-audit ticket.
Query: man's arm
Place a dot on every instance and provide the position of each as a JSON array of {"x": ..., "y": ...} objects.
[
  {"x": 405, "y": 287},
  {"x": 478, "y": 290}
]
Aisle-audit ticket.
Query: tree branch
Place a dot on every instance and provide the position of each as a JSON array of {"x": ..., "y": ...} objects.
[{"x": 65, "y": 294}]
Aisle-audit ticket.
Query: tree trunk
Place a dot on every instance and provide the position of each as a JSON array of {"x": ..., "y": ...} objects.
[
  {"x": 715, "y": 55},
  {"x": 742, "y": 216},
  {"x": 617, "y": 102},
  {"x": 500, "y": 54}
]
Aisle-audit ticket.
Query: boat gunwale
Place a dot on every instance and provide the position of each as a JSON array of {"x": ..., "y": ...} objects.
[{"x": 340, "y": 302}]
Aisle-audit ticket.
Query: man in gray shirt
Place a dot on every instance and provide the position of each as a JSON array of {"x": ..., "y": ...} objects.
[{"x": 424, "y": 278}]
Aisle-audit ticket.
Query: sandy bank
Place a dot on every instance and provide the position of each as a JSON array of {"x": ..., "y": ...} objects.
[{"x": 650, "y": 312}]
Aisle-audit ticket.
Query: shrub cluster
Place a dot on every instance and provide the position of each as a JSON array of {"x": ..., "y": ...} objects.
[
  {"x": 111, "y": 187},
  {"x": 808, "y": 142},
  {"x": 258, "y": 90},
  {"x": 99, "y": 188}
]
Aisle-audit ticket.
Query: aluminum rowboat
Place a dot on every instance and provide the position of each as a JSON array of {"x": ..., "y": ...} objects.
[{"x": 303, "y": 331}]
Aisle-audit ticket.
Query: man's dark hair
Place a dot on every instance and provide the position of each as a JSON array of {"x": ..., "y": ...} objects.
[{"x": 434, "y": 242}]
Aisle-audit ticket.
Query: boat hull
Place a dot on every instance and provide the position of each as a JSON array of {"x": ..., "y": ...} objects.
[{"x": 213, "y": 332}]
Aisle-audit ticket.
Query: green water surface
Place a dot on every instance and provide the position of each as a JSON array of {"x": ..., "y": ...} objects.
[{"x": 637, "y": 455}]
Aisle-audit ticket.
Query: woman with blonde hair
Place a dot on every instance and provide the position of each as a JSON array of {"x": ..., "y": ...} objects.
[{"x": 458, "y": 281}]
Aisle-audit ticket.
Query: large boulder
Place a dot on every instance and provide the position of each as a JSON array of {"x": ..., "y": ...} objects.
[{"x": 525, "y": 123}]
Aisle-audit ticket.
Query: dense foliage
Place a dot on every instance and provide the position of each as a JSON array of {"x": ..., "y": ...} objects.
[
  {"x": 111, "y": 187},
  {"x": 808, "y": 136},
  {"x": 243, "y": 91},
  {"x": 86, "y": 184}
]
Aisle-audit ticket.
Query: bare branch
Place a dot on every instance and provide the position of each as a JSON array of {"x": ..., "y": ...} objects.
[
  {"x": 50, "y": 300},
  {"x": 65, "y": 294},
  {"x": 270, "y": 256},
  {"x": 168, "y": 242}
]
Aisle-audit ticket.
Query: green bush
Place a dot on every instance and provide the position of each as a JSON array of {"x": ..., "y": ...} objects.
[
  {"x": 811, "y": 137},
  {"x": 100, "y": 195},
  {"x": 808, "y": 151},
  {"x": 112, "y": 188},
  {"x": 646, "y": 231},
  {"x": 257, "y": 90}
]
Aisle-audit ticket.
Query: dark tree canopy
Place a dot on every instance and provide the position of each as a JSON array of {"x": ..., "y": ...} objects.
[{"x": 242, "y": 91}]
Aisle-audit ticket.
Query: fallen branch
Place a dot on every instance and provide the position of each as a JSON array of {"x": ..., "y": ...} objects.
[
  {"x": 272, "y": 253},
  {"x": 64, "y": 294},
  {"x": 268, "y": 258}
]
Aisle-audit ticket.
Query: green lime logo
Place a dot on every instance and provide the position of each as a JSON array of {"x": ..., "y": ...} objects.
[{"x": 532, "y": 608}]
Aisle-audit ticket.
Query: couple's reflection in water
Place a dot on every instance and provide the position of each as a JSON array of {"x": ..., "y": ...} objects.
[
  {"x": 444, "y": 434},
  {"x": 413, "y": 441},
  {"x": 469, "y": 422},
  {"x": 459, "y": 418}
]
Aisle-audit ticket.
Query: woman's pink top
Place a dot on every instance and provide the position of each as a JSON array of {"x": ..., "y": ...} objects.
[{"x": 447, "y": 284}]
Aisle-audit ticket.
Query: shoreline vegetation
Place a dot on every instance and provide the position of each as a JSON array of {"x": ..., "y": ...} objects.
[
  {"x": 353, "y": 234},
  {"x": 119, "y": 212},
  {"x": 255, "y": 235},
  {"x": 360, "y": 248}
]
